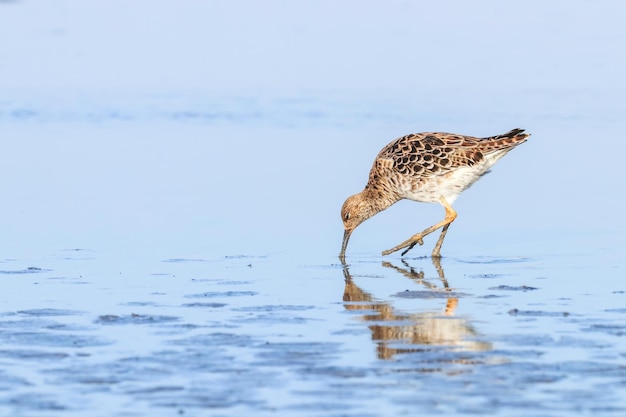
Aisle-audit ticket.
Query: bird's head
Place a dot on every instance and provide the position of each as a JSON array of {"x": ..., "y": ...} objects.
[{"x": 355, "y": 211}]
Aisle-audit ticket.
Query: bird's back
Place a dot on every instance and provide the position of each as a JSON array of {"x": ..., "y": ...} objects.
[{"x": 427, "y": 166}]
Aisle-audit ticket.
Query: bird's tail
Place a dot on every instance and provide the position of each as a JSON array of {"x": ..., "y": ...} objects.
[{"x": 506, "y": 140}]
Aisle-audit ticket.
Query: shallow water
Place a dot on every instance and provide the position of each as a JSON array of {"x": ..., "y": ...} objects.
[
  {"x": 239, "y": 334},
  {"x": 170, "y": 218}
]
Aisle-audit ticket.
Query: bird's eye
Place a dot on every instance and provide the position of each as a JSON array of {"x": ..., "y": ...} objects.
[{"x": 347, "y": 216}]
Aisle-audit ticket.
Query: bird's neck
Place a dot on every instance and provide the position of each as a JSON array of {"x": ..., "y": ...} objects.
[{"x": 377, "y": 199}]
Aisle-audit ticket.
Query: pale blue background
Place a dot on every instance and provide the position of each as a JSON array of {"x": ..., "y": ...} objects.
[
  {"x": 238, "y": 122},
  {"x": 166, "y": 139}
]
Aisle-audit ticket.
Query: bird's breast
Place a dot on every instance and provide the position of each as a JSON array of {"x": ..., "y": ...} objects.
[{"x": 449, "y": 185}]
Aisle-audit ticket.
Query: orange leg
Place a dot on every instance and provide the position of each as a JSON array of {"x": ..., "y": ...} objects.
[{"x": 418, "y": 238}]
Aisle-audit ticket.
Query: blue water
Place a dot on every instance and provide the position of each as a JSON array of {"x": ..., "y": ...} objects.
[{"x": 172, "y": 176}]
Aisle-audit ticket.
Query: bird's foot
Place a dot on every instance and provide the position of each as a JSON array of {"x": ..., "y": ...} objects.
[{"x": 409, "y": 244}]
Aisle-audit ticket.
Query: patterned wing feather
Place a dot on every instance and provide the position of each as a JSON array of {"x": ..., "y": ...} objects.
[{"x": 436, "y": 153}]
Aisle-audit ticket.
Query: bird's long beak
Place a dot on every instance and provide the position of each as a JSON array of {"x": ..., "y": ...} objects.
[{"x": 344, "y": 244}]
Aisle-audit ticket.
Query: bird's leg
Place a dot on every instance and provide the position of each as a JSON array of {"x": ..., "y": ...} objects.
[
  {"x": 437, "y": 250},
  {"x": 418, "y": 238}
]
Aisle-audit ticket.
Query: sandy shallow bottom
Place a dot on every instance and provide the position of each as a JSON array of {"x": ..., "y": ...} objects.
[{"x": 268, "y": 335}]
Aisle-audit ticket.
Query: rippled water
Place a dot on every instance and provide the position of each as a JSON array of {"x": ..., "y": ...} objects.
[
  {"x": 228, "y": 335},
  {"x": 171, "y": 193}
]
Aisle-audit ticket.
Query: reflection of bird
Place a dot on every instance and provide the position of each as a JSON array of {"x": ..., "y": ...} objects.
[
  {"x": 425, "y": 167},
  {"x": 397, "y": 333}
]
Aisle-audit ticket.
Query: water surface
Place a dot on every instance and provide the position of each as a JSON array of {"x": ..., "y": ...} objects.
[{"x": 171, "y": 193}]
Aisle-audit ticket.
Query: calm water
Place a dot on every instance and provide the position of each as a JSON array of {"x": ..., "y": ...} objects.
[{"x": 171, "y": 193}]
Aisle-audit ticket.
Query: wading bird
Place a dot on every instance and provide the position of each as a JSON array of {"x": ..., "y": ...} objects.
[{"x": 425, "y": 167}]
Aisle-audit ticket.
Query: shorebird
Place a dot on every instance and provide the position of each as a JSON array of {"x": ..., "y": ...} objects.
[{"x": 429, "y": 168}]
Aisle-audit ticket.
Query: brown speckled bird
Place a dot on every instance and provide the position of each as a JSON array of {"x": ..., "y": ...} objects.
[{"x": 426, "y": 167}]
